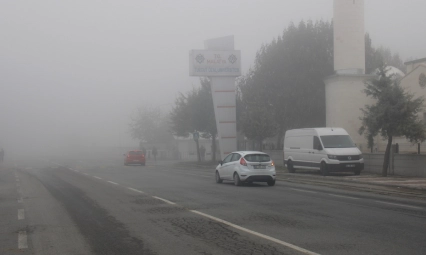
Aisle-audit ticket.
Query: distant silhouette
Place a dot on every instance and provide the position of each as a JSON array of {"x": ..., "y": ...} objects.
[{"x": 202, "y": 152}]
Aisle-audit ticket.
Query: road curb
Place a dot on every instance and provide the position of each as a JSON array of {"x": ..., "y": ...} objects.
[
  {"x": 339, "y": 179},
  {"x": 319, "y": 178}
]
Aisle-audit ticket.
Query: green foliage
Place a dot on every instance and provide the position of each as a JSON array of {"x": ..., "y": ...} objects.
[
  {"x": 289, "y": 74},
  {"x": 395, "y": 112},
  {"x": 194, "y": 111},
  {"x": 256, "y": 119},
  {"x": 150, "y": 125}
]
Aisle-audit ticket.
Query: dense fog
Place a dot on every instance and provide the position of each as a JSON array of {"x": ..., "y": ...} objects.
[{"x": 72, "y": 72}]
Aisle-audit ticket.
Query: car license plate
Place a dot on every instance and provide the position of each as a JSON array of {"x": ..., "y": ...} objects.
[
  {"x": 350, "y": 165},
  {"x": 259, "y": 167}
]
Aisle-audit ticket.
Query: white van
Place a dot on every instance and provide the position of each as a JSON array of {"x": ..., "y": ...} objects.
[{"x": 324, "y": 149}]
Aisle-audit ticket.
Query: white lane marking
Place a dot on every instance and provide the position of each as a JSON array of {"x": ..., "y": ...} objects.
[
  {"x": 113, "y": 182},
  {"x": 17, "y": 179},
  {"x": 135, "y": 190},
  {"x": 164, "y": 200},
  {"x": 85, "y": 174},
  {"x": 415, "y": 207},
  {"x": 292, "y": 246},
  {"x": 304, "y": 190},
  {"x": 19, "y": 200},
  {"x": 343, "y": 196},
  {"x": 21, "y": 214},
  {"x": 97, "y": 177},
  {"x": 22, "y": 240}
]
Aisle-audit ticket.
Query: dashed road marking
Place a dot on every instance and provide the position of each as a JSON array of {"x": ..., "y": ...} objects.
[
  {"x": 289, "y": 245},
  {"x": 304, "y": 190},
  {"x": 22, "y": 240},
  {"x": 343, "y": 196},
  {"x": 410, "y": 206},
  {"x": 113, "y": 182},
  {"x": 135, "y": 190},
  {"x": 19, "y": 200},
  {"x": 97, "y": 177},
  {"x": 85, "y": 174},
  {"x": 164, "y": 200},
  {"x": 21, "y": 214}
]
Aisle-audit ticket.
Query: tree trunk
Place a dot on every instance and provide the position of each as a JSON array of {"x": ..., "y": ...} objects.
[
  {"x": 213, "y": 147},
  {"x": 387, "y": 156},
  {"x": 198, "y": 151}
]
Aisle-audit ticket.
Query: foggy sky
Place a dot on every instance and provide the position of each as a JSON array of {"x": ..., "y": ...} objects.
[{"x": 71, "y": 72}]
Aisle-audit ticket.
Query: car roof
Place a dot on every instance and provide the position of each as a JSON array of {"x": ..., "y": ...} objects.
[{"x": 249, "y": 152}]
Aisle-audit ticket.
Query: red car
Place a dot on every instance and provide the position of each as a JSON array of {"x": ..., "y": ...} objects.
[{"x": 134, "y": 157}]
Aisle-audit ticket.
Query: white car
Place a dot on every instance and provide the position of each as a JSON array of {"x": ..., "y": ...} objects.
[{"x": 246, "y": 166}]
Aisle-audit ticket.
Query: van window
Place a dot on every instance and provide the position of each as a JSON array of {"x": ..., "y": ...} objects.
[
  {"x": 316, "y": 142},
  {"x": 258, "y": 158},
  {"x": 337, "y": 141}
]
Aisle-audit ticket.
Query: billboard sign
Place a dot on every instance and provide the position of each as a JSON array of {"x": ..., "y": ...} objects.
[{"x": 214, "y": 63}]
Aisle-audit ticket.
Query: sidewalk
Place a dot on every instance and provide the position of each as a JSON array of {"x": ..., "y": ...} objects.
[
  {"x": 365, "y": 178},
  {"x": 415, "y": 183}
]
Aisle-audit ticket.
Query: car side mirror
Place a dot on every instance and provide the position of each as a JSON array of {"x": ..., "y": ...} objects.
[{"x": 220, "y": 162}]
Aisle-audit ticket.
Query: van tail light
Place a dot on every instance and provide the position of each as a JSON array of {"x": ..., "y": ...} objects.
[
  {"x": 272, "y": 164},
  {"x": 243, "y": 162}
]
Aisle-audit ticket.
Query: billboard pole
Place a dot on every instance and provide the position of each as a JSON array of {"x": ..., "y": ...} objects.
[{"x": 222, "y": 64}]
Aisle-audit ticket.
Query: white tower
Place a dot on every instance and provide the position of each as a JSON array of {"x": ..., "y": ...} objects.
[
  {"x": 349, "y": 45},
  {"x": 344, "y": 90}
]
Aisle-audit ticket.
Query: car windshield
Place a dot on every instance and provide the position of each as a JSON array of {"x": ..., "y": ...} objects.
[
  {"x": 258, "y": 158},
  {"x": 337, "y": 141}
]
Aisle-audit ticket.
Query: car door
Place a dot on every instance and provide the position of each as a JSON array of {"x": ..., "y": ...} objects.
[
  {"x": 224, "y": 168},
  {"x": 234, "y": 164},
  {"x": 316, "y": 153}
]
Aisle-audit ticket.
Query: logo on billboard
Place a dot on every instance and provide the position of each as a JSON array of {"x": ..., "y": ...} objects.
[
  {"x": 232, "y": 58},
  {"x": 199, "y": 58}
]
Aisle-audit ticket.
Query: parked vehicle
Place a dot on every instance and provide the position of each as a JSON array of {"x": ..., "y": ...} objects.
[
  {"x": 134, "y": 157},
  {"x": 324, "y": 149},
  {"x": 246, "y": 166}
]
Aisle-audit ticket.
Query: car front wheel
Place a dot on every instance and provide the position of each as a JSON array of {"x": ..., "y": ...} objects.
[{"x": 324, "y": 169}]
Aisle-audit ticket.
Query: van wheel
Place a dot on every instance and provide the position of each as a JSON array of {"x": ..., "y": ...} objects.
[
  {"x": 324, "y": 169},
  {"x": 237, "y": 180},
  {"x": 218, "y": 179},
  {"x": 290, "y": 167}
]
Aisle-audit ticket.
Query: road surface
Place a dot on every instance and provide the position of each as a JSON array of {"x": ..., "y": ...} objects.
[{"x": 105, "y": 207}]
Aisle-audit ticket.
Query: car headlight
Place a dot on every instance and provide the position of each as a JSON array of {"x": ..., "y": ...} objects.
[{"x": 332, "y": 156}]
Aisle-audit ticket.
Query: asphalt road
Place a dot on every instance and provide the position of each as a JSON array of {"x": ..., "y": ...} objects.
[{"x": 103, "y": 207}]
